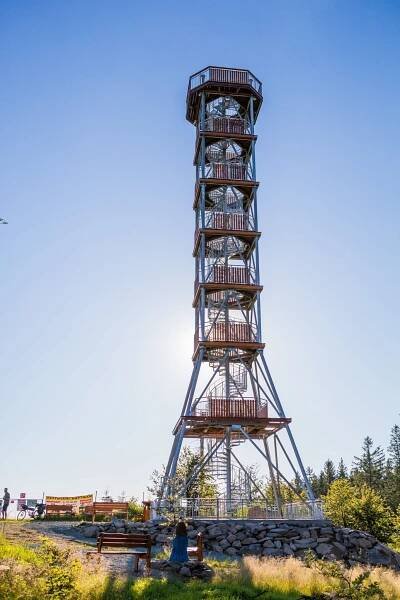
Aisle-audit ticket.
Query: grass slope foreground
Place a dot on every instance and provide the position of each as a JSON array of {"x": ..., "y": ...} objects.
[{"x": 35, "y": 567}]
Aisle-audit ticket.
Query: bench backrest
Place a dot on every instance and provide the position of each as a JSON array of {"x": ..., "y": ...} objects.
[
  {"x": 58, "y": 507},
  {"x": 128, "y": 540},
  {"x": 110, "y": 506}
]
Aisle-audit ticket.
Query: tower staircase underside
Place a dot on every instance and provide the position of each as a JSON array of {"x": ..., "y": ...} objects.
[{"x": 239, "y": 403}]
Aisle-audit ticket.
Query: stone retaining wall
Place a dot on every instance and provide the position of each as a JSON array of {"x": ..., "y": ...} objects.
[{"x": 267, "y": 538}]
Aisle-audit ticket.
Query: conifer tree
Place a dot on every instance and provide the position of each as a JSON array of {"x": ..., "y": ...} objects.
[
  {"x": 329, "y": 471},
  {"x": 326, "y": 477},
  {"x": 369, "y": 468},
  {"x": 392, "y": 479},
  {"x": 342, "y": 472},
  {"x": 394, "y": 447},
  {"x": 313, "y": 479}
]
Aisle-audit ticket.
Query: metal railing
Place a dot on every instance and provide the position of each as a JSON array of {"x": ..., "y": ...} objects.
[
  {"x": 229, "y": 170},
  {"x": 227, "y": 333},
  {"x": 227, "y": 275},
  {"x": 233, "y": 331},
  {"x": 238, "y": 221},
  {"x": 225, "y": 408},
  {"x": 243, "y": 508},
  {"x": 223, "y": 274},
  {"x": 233, "y": 220},
  {"x": 234, "y": 125},
  {"x": 225, "y": 75}
]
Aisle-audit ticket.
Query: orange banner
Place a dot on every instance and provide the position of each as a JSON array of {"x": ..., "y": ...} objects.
[{"x": 73, "y": 500}]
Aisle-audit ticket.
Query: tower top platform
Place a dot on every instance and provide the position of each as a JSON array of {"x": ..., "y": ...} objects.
[{"x": 215, "y": 81}]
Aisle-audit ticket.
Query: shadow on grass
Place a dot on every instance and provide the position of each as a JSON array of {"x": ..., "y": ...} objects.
[{"x": 162, "y": 589}]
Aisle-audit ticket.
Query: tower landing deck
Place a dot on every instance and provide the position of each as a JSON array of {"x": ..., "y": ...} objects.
[
  {"x": 215, "y": 427},
  {"x": 245, "y": 347}
]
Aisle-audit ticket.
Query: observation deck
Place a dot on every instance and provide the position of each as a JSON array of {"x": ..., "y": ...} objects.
[
  {"x": 216, "y": 81},
  {"x": 212, "y": 415}
]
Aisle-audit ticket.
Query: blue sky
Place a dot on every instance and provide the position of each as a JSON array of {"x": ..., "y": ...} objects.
[{"x": 97, "y": 186}]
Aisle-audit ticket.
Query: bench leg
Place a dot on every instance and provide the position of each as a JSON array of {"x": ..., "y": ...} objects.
[{"x": 136, "y": 565}]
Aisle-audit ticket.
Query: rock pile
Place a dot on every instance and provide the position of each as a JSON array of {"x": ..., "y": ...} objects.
[
  {"x": 267, "y": 538},
  {"x": 193, "y": 569}
]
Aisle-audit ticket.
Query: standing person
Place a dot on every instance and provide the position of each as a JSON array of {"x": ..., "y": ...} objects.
[
  {"x": 6, "y": 502},
  {"x": 180, "y": 544}
]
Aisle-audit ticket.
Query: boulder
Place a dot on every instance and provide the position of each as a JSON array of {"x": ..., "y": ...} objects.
[
  {"x": 338, "y": 550},
  {"x": 213, "y": 531},
  {"x": 287, "y": 549},
  {"x": 379, "y": 555},
  {"x": 305, "y": 543},
  {"x": 91, "y": 531},
  {"x": 249, "y": 540},
  {"x": 118, "y": 523},
  {"x": 253, "y": 549},
  {"x": 192, "y": 534},
  {"x": 272, "y": 552},
  {"x": 324, "y": 549}
]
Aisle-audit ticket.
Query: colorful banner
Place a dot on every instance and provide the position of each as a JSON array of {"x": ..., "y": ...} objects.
[{"x": 72, "y": 500}]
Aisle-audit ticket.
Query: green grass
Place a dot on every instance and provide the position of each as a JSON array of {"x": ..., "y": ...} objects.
[
  {"x": 155, "y": 589},
  {"x": 17, "y": 552}
]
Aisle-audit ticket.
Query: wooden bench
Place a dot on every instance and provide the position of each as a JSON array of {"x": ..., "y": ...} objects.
[
  {"x": 198, "y": 550},
  {"x": 141, "y": 544},
  {"x": 57, "y": 509},
  {"x": 106, "y": 508}
]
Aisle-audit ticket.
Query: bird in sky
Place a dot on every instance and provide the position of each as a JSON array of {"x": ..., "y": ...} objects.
[{"x": 3, "y": 221}]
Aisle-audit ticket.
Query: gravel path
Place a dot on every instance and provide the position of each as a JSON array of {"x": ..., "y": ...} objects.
[{"x": 67, "y": 534}]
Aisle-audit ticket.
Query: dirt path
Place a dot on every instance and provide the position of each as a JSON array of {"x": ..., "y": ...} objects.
[{"x": 65, "y": 534}]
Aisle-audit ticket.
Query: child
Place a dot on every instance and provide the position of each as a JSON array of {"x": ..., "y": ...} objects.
[{"x": 180, "y": 544}]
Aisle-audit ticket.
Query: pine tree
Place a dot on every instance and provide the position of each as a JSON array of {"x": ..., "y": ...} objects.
[
  {"x": 342, "y": 470},
  {"x": 329, "y": 471},
  {"x": 326, "y": 477},
  {"x": 394, "y": 447},
  {"x": 322, "y": 485},
  {"x": 392, "y": 478},
  {"x": 369, "y": 468},
  {"x": 313, "y": 479}
]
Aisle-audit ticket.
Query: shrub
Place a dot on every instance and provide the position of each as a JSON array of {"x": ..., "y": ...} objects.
[{"x": 359, "y": 507}]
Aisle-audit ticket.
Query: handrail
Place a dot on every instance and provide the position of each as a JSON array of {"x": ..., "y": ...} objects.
[
  {"x": 225, "y": 124},
  {"x": 233, "y": 170},
  {"x": 225, "y": 75},
  {"x": 235, "y": 220},
  {"x": 231, "y": 274},
  {"x": 240, "y": 507},
  {"x": 245, "y": 407},
  {"x": 232, "y": 331}
]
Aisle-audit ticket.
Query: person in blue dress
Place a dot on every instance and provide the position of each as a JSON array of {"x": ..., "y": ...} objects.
[{"x": 180, "y": 544}]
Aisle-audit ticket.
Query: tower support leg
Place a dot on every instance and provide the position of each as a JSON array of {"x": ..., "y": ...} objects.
[
  {"x": 306, "y": 481},
  {"x": 228, "y": 471}
]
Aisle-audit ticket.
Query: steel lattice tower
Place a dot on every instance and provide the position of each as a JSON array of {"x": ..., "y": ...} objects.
[{"x": 239, "y": 403}]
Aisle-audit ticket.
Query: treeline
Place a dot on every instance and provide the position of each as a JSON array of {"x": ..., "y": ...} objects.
[
  {"x": 377, "y": 469},
  {"x": 365, "y": 495}
]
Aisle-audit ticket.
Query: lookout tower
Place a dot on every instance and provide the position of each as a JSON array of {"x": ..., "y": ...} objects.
[{"x": 239, "y": 403}]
